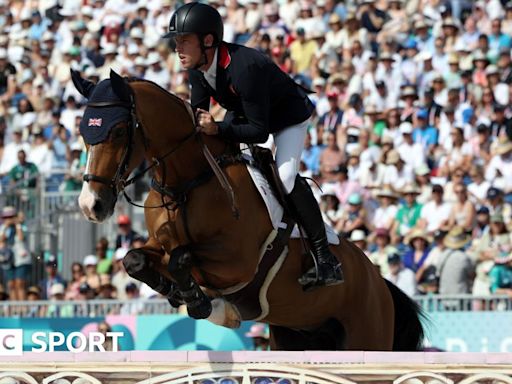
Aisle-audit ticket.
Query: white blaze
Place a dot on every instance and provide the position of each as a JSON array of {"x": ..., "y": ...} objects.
[{"x": 87, "y": 197}]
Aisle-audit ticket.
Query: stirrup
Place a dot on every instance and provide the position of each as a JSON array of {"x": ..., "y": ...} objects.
[{"x": 313, "y": 278}]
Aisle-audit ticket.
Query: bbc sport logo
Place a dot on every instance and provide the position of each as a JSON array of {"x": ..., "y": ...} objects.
[{"x": 11, "y": 341}]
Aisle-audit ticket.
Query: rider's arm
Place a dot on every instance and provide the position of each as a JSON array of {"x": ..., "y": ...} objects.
[{"x": 253, "y": 86}]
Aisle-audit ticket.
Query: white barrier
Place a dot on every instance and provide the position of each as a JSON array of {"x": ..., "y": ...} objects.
[{"x": 160, "y": 367}]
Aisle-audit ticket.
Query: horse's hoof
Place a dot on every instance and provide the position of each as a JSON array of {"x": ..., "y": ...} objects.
[{"x": 200, "y": 310}]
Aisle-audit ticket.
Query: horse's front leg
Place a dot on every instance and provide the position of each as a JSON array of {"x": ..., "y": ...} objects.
[
  {"x": 147, "y": 264},
  {"x": 198, "y": 304}
]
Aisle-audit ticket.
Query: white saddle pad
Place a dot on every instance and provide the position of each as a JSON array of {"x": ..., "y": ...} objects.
[{"x": 275, "y": 210}]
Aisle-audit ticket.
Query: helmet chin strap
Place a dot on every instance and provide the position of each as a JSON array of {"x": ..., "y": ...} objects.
[{"x": 204, "y": 58}]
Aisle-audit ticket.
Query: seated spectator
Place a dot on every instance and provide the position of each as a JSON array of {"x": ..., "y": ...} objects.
[
  {"x": 379, "y": 257},
  {"x": 57, "y": 309},
  {"x": 73, "y": 177},
  {"x": 125, "y": 233},
  {"x": 435, "y": 213},
  {"x": 77, "y": 279},
  {"x": 331, "y": 120},
  {"x": 496, "y": 204},
  {"x": 481, "y": 145},
  {"x": 422, "y": 180},
  {"x": 397, "y": 173},
  {"x": 34, "y": 294},
  {"x": 92, "y": 278},
  {"x": 311, "y": 155},
  {"x": 104, "y": 265},
  {"x": 343, "y": 186},
  {"x": 330, "y": 206},
  {"x": 425, "y": 134},
  {"x": 386, "y": 212},
  {"x": 134, "y": 306},
  {"x": 330, "y": 159},
  {"x": 489, "y": 247},
  {"x": 501, "y": 274},
  {"x": 415, "y": 257},
  {"x": 52, "y": 277},
  {"x": 107, "y": 290},
  {"x": 260, "y": 337},
  {"x": 400, "y": 275},
  {"x": 463, "y": 211},
  {"x": 358, "y": 237},
  {"x": 354, "y": 216},
  {"x": 499, "y": 170},
  {"x": 478, "y": 187},
  {"x": 121, "y": 279},
  {"x": 408, "y": 214}
]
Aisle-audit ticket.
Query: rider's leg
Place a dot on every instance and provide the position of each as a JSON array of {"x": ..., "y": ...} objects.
[{"x": 289, "y": 145}]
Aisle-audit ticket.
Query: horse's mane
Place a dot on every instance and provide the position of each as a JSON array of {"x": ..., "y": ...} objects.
[{"x": 169, "y": 95}]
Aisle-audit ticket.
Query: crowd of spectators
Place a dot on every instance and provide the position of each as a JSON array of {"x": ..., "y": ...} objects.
[{"x": 410, "y": 141}]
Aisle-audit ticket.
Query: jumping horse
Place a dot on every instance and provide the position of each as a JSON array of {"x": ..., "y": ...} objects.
[{"x": 199, "y": 251}]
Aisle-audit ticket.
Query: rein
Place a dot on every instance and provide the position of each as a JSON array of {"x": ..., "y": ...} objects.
[{"x": 178, "y": 194}]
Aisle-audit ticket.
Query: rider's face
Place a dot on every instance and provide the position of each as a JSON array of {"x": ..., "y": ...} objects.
[{"x": 188, "y": 49}]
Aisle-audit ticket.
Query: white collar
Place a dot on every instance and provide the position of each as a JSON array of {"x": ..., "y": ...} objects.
[{"x": 211, "y": 73}]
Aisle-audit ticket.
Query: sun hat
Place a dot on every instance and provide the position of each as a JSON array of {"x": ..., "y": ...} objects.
[
  {"x": 410, "y": 188},
  {"x": 417, "y": 233},
  {"x": 387, "y": 192},
  {"x": 355, "y": 199},
  {"x": 457, "y": 238},
  {"x": 357, "y": 235},
  {"x": 257, "y": 330},
  {"x": 90, "y": 260},
  {"x": 8, "y": 211}
]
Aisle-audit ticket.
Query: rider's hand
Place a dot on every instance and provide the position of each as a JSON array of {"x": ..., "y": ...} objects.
[{"x": 206, "y": 123}]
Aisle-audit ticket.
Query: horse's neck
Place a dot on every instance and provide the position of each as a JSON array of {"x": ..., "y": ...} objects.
[{"x": 187, "y": 160}]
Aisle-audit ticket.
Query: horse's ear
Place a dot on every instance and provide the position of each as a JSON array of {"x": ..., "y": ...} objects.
[
  {"x": 120, "y": 86},
  {"x": 82, "y": 85}
]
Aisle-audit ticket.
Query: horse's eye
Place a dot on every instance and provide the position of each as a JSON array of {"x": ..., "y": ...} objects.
[{"x": 118, "y": 133}]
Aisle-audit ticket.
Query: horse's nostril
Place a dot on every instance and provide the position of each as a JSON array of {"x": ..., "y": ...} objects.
[{"x": 98, "y": 207}]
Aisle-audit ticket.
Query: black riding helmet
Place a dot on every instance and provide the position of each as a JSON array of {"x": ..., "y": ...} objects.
[{"x": 197, "y": 18}]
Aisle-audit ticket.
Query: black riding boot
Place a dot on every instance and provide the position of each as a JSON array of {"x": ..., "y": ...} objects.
[{"x": 307, "y": 214}]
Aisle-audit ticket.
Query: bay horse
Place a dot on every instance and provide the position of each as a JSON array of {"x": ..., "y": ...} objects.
[{"x": 198, "y": 248}]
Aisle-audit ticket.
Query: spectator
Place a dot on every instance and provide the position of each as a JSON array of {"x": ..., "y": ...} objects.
[
  {"x": 92, "y": 278},
  {"x": 330, "y": 159},
  {"x": 77, "y": 279},
  {"x": 125, "y": 233},
  {"x": 501, "y": 274},
  {"x": 260, "y": 337},
  {"x": 104, "y": 264},
  {"x": 354, "y": 216},
  {"x": 435, "y": 214},
  {"x": 23, "y": 175},
  {"x": 486, "y": 250},
  {"x": 16, "y": 266},
  {"x": 386, "y": 212},
  {"x": 57, "y": 308},
  {"x": 409, "y": 212},
  {"x": 455, "y": 268},
  {"x": 358, "y": 237},
  {"x": 121, "y": 279},
  {"x": 379, "y": 257},
  {"x": 463, "y": 211},
  {"x": 52, "y": 277},
  {"x": 134, "y": 306},
  {"x": 415, "y": 257},
  {"x": 400, "y": 275}
]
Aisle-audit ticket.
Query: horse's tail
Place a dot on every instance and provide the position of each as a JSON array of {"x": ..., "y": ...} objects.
[{"x": 408, "y": 333}]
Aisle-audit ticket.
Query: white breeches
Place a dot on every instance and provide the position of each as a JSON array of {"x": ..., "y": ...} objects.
[{"x": 289, "y": 144}]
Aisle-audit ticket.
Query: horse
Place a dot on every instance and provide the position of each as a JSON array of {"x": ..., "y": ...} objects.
[{"x": 199, "y": 250}]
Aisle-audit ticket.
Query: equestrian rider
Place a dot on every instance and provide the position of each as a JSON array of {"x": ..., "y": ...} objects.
[{"x": 260, "y": 99}]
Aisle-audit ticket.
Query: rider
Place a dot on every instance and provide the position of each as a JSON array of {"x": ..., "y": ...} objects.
[{"x": 260, "y": 99}]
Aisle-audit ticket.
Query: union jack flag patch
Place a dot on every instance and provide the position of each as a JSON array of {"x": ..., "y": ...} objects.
[{"x": 95, "y": 122}]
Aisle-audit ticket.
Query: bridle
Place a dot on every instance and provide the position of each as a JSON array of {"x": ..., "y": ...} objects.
[{"x": 118, "y": 182}]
